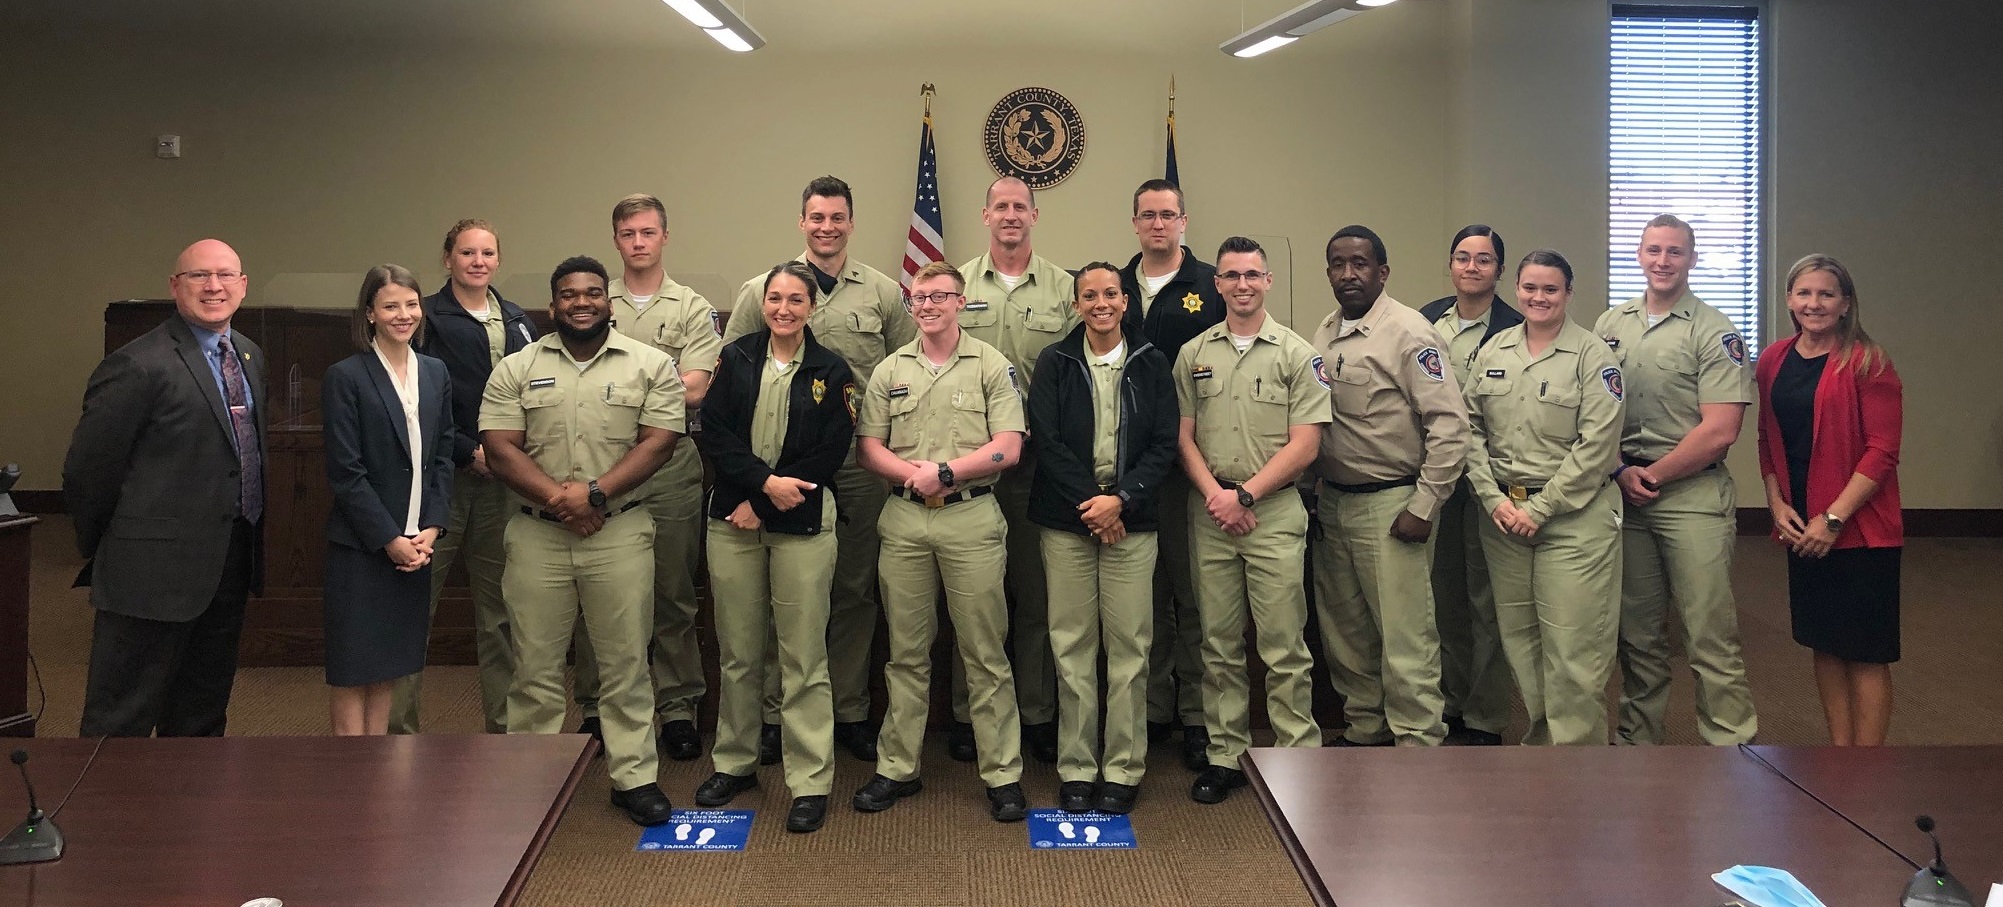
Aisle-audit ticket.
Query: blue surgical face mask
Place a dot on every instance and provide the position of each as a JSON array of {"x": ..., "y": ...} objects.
[{"x": 1761, "y": 886}]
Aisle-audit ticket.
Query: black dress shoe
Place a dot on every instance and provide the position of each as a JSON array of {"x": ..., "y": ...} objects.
[
  {"x": 722, "y": 788},
  {"x": 1117, "y": 799},
  {"x": 858, "y": 737},
  {"x": 1006, "y": 803},
  {"x": 1195, "y": 747},
  {"x": 960, "y": 742},
  {"x": 590, "y": 726},
  {"x": 1159, "y": 731},
  {"x": 768, "y": 745},
  {"x": 1215, "y": 784},
  {"x": 807, "y": 814},
  {"x": 1040, "y": 741},
  {"x": 1454, "y": 723},
  {"x": 882, "y": 793},
  {"x": 1472, "y": 736},
  {"x": 1075, "y": 796},
  {"x": 1341, "y": 740},
  {"x": 645, "y": 805},
  {"x": 680, "y": 742}
]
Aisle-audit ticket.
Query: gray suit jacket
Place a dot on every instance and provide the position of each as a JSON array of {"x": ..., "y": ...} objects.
[
  {"x": 151, "y": 476},
  {"x": 368, "y": 450}
]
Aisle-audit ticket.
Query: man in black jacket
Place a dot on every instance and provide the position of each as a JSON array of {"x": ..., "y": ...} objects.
[{"x": 1171, "y": 297}]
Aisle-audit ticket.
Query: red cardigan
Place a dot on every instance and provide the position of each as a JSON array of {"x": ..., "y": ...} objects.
[{"x": 1858, "y": 421}]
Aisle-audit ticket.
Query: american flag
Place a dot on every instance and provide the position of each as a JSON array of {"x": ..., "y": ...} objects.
[{"x": 926, "y": 243}]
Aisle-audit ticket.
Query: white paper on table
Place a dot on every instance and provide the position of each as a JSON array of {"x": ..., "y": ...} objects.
[{"x": 1996, "y": 895}]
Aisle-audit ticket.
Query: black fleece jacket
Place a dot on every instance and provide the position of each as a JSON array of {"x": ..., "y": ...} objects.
[
  {"x": 1062, "y": 426},
  {"x": 820, "y": 426},
  {"x": 452, "y": 334},
  {"x": 1170, "y": 322}
]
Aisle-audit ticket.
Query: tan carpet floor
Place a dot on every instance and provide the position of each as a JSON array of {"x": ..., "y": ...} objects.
[{"x": 940, "y": 850}]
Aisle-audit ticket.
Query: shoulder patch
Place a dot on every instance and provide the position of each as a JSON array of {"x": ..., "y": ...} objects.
[
  {"x": 1320, "y": 372},
  {"x": 541, "y": 382},
  {"x": 848, "y": 397},
  {"x": 1431, "y": 363},
  {"x": 716, "y": 321},
  {"x": 1735, "y": 347},
  {"x": 1011, "y": 378},
  {"x": 1610, "y": 376}
]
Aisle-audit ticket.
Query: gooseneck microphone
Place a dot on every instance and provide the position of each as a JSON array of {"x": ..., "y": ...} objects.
[
  {"x": 36, "y": 839},
  {"x": 1934, "y": 886}
]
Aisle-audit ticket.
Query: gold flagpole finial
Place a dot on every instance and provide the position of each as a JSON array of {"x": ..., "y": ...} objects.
[
  {"x": 927, "y": 91},
  {"x": 1171, "y": 94}
]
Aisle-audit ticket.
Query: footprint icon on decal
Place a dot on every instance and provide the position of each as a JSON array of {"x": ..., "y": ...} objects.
[
  {"x": 1065, "y": 829},
  {"x": 682, "y": 831}
]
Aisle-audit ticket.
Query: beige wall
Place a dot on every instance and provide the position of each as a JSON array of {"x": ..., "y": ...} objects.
[{"x": 317, "y": 161}]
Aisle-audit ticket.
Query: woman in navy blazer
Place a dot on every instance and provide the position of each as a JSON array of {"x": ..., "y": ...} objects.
[{"x": 387, "y": 416}]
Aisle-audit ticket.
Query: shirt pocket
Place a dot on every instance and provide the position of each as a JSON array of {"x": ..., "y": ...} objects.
[
  {"x": 670, "y": 339},
  {"x": 622, "y": 412},
  {"x": 1269, "y": 410},
  {"x": 904, "y": 426},
  {"x": 543, "y": 418},
  {"x": 1047, "y": 323},
  {"x": 980, "y": 313},
  {"x": 970, "y": 420},
  {"x": 1353, "y": 390},
  {"x": 1558, "y": 413},
  {"x": 856, "y": 336}
]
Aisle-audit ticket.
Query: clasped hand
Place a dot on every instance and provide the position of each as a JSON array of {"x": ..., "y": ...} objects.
[
  {"x": 1511, "y": 519},
  {"x": 572, "y": 503},
  {"x": 410, "y": 553},
  {"x": 1228, "y": 514},
  {"x": 1101, "y": 514}
]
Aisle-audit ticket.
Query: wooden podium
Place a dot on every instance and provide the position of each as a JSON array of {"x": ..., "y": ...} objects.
[{"x": 15, "y": 532}]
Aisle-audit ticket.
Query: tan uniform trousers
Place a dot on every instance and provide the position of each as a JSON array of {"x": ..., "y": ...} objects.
[
  {"x": 1555, "y": 603},
  {"x": 552, "y": 577},
  {"x": 674, "y": 500},
  {"x": 1374, "y": 595},
  {"x": 1029, "y": 607},
  {"x": 1474, "y": 677},
  {"x": 478, "y": 523},
  {"x": 1258, "y": 574},
  {"x": 964, "y": 547},
  {"x": 1679, "y": 549},
  {"x": 771, "y": 586},
  {"x": 1101, "y": 602},
  {"x": 1175, "y": 662},
  {"x": 852, "y": 604}
]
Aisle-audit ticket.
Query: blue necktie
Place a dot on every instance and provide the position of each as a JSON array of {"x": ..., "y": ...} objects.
[{"x": 249, "y": 455}]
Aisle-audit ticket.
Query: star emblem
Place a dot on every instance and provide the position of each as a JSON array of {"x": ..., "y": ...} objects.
[
  {"x": 1192, "y": 303},
  {"x": 1035, "y": 138}
]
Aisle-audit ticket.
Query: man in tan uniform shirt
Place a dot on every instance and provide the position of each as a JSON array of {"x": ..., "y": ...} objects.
[
  {"x": 860, "y": 315},
  {"x": 652, "y": 308},
  {"x": 1388, "y": 460},
  {"x": 1019, "y": 302}
]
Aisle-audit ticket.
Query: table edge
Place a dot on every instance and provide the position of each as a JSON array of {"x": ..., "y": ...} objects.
[
  {"x": 1290, "y": 842},
  {"x": 519, "y": 879}
]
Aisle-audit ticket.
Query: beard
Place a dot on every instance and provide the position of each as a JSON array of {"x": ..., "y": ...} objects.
[{"x": 582, "y": 335}]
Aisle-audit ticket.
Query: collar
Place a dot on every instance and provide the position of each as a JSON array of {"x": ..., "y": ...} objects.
[
  {"x": 1685, "y": 307},
  {"x": 851, "y": 269},
  {"x": 1378, "y": 311},
  {"x": 916, "y": 348},
  {"x": 1268, "y": 331},
  {"x": 615, "y": 342},
  {"x": 669, "y": 290},
  {"x": 210, "y": 341},
  {"x": 1038, "y": 266}
]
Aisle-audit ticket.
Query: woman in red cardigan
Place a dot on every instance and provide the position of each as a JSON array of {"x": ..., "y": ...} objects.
[{"x": 1829, "y": 451}]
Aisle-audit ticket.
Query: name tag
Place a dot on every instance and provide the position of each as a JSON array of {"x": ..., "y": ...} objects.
[
  {"x": 541, "y": 382},
  {"x": 1200, "y": 372},
  {"x": 1496, "y": 373},
  {"x": 901, "y": 390},
  {"x": 977, "y": 305}
]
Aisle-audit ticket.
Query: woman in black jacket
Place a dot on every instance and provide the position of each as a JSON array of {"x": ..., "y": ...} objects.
[
  {"x": 1103, "y": 419},
  {"x": 777, "y": 424}
]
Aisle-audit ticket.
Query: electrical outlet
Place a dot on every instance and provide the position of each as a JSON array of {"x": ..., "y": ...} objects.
[{"x": 167, "y": 147}]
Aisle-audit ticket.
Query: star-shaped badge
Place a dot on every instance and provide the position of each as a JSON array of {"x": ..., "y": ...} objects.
[{"x": 1192, "y": 303}]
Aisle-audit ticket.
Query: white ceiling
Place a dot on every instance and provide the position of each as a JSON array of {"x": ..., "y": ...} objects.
[{"x": 1173, "y": 26}]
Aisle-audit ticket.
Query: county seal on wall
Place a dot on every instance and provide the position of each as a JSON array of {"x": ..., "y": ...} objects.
[{"x": 1034, "y": 135}]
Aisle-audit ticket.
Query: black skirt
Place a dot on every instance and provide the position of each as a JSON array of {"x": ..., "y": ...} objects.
[
  {"x": 1847, "y": 604},
  {"x": 377, "y": 618}
]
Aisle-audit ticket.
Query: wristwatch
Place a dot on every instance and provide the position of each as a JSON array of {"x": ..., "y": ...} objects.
[
  {"x": 1834, "y": 523},
  {"x": 597, "y": 496},
  {"x": 1245, "y": 498},
  {"x": 946, "y": 474}
]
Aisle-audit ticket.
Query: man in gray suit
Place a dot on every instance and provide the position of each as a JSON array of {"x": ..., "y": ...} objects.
[{"x": 165, "y": 481}]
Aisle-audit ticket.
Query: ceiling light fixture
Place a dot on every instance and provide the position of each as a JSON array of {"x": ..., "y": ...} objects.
[
  {"x": 1290, "y": 26},
  {"x": 718, "y": 21}
]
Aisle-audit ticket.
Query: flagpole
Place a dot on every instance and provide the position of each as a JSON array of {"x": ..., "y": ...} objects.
[{"x": 925, "y": 90}]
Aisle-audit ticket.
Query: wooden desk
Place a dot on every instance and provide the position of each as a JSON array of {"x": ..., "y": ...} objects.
[
  {"x": 15, "y": 536},
  {"x": 1544, "y": 826},
  {"x": 382, "y": 821},
  {"x": 1883, "y": 788}
]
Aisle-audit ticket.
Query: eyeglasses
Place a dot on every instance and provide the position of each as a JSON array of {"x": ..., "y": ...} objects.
[
  {"x": 1483, "y": 260},
  {"x": 1235, "y": 276},
  {"x": 203, "y": 276},
  {"x": 1158, "y": 217},
  {"x": 940, "y": 298}
]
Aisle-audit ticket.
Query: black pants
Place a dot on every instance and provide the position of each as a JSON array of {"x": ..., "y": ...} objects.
[{"x": 173, "y": 676}]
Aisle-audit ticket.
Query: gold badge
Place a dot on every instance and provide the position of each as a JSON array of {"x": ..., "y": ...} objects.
[
  {"x": 1192, "y": 303},
  {"x": 820, "y": 391}
]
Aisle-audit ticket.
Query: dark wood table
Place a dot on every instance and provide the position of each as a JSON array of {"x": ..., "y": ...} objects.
[
  {"x": 1508, "y": 826},
  {"x": 1881, "y": 789},
  {"x": 381, "y": 821}
]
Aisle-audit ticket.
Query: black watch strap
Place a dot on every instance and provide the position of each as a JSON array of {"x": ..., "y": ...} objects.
[
  {"x": 1245, "y": 498},
  {"x": 597, "y": 496}
]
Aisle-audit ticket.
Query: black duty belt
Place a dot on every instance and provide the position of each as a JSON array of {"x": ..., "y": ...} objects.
[
  {"x": 1645, "y": 463},
  {"x": 943, "y": 500},
  {"x": 1519, "y": 493},
  {"x": 1373, "y": 487},
  {"x": 546, "y": 515}
]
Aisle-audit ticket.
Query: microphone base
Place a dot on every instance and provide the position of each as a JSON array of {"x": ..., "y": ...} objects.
[
  {"x": 1930, "y": 889},
  {"x": 31, "y": 842}
]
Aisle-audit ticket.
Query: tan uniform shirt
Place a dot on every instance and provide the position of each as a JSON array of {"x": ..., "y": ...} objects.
[
  {"x": 1022, "y": 321},
  {"x": 1552, "y": 420},
  {"x": 678, "y": 322},
  {"x": 1692, "y": 356},
  {"x": 1462, "y": 342},
  {"x": 1105, "y": 412},
  {"x": 774, "y": 407},
  {"x": 863, "y": 320},
  {"x": 1244, "y": 403},
  {"x": 922, "y": 416},
  {"x": 1398, "y": 411},
  {"x": 579, "y": 422}
]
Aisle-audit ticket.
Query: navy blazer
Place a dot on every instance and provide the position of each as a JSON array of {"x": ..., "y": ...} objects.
[{"x": 368, "y": 450}]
